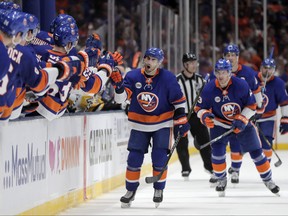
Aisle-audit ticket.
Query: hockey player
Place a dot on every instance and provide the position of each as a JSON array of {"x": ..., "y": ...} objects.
[
  {"x": 274, "y": 95},
  {"x": 227, "y": 102},
  {"x": 156, "y": 101},
  {"x": 13, "y": 28},
  {"x": 231, "y": 53},
  {"x": 26, "y": 70},
  {"x": 44, "y": 40},
  {"x": 191, "y": 83}
]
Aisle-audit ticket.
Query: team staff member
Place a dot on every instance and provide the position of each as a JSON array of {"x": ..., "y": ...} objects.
[
  {"x": 191, "y": 83},
  {"x": 156, "y": 103}
]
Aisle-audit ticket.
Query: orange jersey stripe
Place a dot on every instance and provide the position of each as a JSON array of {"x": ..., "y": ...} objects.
[
  {"x": 43, "y": 82},
  {"x": 96, "y": 85},
  {"x": 150, "y": 119},
  {"x": 53, "y": 105},
  {"x": 236, "y": 156}
]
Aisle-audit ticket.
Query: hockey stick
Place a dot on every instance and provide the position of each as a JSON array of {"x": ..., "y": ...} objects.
[
  {"x": 217, "y": 138},
  {"x": 153, "y": 179},
  {"x": 277, "y": 163}
]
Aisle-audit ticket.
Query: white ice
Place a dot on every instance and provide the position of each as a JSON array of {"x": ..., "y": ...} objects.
[{"x": 196, "y": 197}]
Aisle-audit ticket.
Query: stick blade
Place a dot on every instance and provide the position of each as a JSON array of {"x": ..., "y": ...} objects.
[
  {"x": 278, "y": 163},
  {"x": 152, "y": 179}
]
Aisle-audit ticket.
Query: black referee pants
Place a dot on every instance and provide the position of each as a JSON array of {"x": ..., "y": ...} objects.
[{"x": 200, "y": 134}]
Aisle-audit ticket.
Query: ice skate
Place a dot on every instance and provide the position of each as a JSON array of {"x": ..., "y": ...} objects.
[
  {"x": 272, "y": 187},
  {"x": 213, "y": 180},
  {"x": 158, "y": 197},
  {"x": 185, "y": 175},
  {"x": 230, "y": 170},
  {"x": 127, "y": 199},
  {"x": 234, "y": 177},
  {"x": 221, "y": 186}
]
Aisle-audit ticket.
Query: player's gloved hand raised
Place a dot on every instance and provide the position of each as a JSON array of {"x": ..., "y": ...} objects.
[
  {"x": 89, "y": 57},
  {"x": 239, "y": 123},
  {"x": 117, "y": 80},
  {"x": 207, "y": 119},
  {"x": 107, "y": 63},
  {"x": 94, "y": 41},
  {"x": 283, "y": 125}
]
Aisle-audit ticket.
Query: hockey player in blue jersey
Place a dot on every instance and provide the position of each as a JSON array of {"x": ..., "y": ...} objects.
[
  {"x": 156, "y": 102},
  {"x": 274, "y": 95},
  {"x": 13, "y": 28},
  {"x": 227, "y": 102},
  {"x": 231, "y": 53}
]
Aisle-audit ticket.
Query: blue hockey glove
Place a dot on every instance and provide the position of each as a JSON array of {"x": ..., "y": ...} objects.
[
  {"x": 239, "y": 123},
  {"x": 207, "y": 119},
  {"x": 181, "y": 125},
  {"x": 283, "y": 125}
]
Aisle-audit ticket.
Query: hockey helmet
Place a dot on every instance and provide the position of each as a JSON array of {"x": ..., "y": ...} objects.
[
  {"x": 13, "y": 22},
  {"x": 155, "y": 53},
  {"x": 231, "y": 48},
  {"x": 65, "y": 34},
  {"x": 9, "y": 6},
  {"x": 269, "y": 63},
  {"x": 61, "y": 19},
  {"x": 223, "y": 64},
  {"x": 188, "y": 57}
]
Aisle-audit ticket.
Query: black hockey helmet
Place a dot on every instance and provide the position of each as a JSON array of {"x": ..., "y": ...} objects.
[{"x": 188, "y": 57}]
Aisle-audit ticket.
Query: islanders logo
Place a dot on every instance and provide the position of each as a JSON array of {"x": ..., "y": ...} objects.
[
  {"x": 148, "y": 101},
  {"x": 229, "y": 110}
]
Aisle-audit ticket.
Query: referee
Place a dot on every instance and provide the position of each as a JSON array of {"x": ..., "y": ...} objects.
[{"x": 191, "y": 82}]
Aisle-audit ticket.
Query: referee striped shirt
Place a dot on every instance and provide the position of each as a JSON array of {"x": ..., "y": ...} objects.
[{"x": 190, "y": 87}]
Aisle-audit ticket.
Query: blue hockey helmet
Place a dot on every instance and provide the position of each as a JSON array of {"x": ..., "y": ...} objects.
[
  {"x": 94, "y": 41},
  {"x": 155, "y": 53},
  {"x": 65, "y": 34},
  {"x": 268, "y": 63},
  {"x": 61, "y": 19},
  {"x": 9, "y": 6},
  {"x": 231, "y": 48},
  {"x": 33, "y": 23},
  {"x": 223, "y": 64},
  {"x": 13, "y": 22}
]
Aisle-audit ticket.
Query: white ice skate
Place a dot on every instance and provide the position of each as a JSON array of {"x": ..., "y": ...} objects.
[
  {"x": 127, "y": 199},
  {"x": 221, "y": 186},
  {"x": 158, "y": 197},
  {"x": 272, "y": 187}
]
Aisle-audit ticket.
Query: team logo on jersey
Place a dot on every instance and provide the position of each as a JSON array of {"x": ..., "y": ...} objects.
[
  {"x": 138, "y": 85},
  {"x": 148, "y": 101},
  {"x": 229, "y": 110}
]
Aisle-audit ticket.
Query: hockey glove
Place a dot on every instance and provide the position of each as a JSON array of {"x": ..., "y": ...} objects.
[
  {"x": 66, "y": 68},
  {"x": 207, "y": 119},
  {"x": 117, "y": 80},
  {"x": 181, "y": 125},
  {"x": 239, "y": 123},
  {"x": 89, "y": 57},
  {"x": 283, "y": 125},
  {"x": 107, "y": 63},
  {"x": 94, "y": 41}
]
